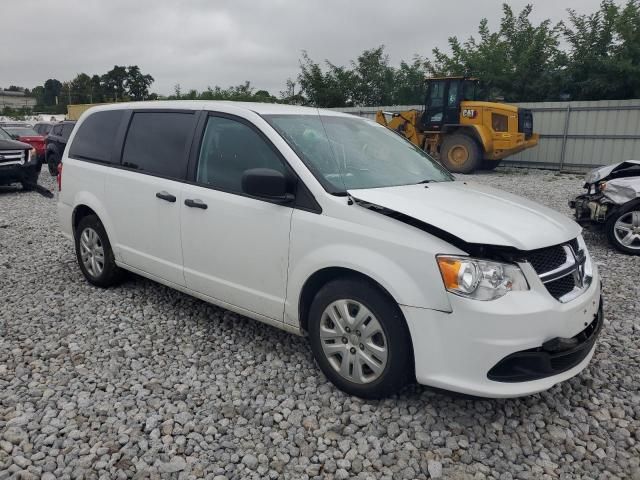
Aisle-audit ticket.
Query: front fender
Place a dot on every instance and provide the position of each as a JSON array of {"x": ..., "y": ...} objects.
[{"x": 403, "y": 287}]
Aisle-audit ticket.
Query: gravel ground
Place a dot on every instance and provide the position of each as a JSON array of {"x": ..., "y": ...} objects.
[{"x": 145, "y": 382}]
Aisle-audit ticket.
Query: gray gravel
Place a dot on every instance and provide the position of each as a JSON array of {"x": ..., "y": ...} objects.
[{"x": 141, "y": 381}]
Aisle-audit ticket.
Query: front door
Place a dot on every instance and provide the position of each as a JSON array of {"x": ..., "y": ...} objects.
[{"x": 235, "y": 248}]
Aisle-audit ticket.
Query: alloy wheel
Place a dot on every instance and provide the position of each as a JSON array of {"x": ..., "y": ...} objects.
[{"x": 627, "y": 229}]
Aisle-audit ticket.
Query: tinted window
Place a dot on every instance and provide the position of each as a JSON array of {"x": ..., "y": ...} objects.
[
  {"x": 57, "y": 130},
  {"x": 157, "y": 142},
  {"x": 67, "y": 128},
  {"x": 228, "y": 149},
  {"x": 96, "y": 136}
]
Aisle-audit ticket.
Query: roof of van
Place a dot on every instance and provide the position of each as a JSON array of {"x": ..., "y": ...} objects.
[{"x": 259, "y": 108}]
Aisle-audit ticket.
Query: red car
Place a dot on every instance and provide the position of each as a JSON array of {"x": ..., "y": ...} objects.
[{"x": 28, "y": 135}]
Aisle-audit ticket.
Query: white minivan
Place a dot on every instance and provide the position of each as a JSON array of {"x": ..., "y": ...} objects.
[{"x": 334, "y": 227}]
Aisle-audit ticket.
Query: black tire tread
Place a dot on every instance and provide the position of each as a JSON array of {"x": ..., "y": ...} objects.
[
  {"x": 475, "y": 154},
  {"x": 399, "y": 370},
  {"x": 112, "y": 274}
]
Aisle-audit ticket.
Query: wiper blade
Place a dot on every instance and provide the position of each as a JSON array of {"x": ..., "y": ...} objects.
[{"x": 425, "y": 181}]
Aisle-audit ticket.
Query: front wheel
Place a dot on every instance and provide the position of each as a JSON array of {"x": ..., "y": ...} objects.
[
  {"x": 460, "y": 153},
  {"x": 359, "y": 339},
  {"x": 623, "y": 229}
]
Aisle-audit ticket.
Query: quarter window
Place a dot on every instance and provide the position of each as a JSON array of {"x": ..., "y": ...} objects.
[
  {"x": 96, "y": 136},
  {"x": 229, "y": 148},
  {"x": 157, "y": 143}
]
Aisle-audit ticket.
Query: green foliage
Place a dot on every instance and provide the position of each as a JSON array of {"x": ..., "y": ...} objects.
[
  {"x": 240, "y": 93},
  {"x": 118, "y": 84},
  {"x": 605, "y": 52},
  {"x": 520, "y": 61}
]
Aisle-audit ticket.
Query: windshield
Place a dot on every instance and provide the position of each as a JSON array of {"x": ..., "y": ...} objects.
[
  {"x": 22, "y": 131},
  {"x": 4, "y": 135},
  {"x": 347, "y": 153}
]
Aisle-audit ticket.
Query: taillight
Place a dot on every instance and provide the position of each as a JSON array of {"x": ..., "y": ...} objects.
[{"x": 59, "y": 177}]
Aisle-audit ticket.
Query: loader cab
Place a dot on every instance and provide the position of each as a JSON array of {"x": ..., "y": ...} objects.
[{"x": 444, "y": 95}]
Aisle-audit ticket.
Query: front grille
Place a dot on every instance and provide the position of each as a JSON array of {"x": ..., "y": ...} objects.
[
  {"x": 547, "y": 259},
  {"x": 561, "y": 268},
  {"x": 562, "y": 286},
  {"x": 12, "y": 157},
  {"x": 525, "y": 122}
]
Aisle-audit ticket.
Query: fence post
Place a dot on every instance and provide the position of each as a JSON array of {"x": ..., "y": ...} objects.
[{"x": 567, "y": 115}]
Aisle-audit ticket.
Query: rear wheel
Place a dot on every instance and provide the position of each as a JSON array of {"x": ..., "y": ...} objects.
[
  {"x": 623, "y": 229},
  {"x": 359, "y": 339},
  {"x": 460, "y": 153},
  {"x": 94, "y": 254}
]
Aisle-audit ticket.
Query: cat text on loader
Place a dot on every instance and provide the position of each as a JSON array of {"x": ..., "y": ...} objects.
[{"x": 462, "y": 131}]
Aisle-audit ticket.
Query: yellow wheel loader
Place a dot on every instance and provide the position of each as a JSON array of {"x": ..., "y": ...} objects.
[{"x": 460, "y": 130}]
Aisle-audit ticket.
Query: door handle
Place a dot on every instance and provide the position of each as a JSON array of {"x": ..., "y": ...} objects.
[
  {"x": 166, "y": 196},
  {"x": 195, "y": 203}
]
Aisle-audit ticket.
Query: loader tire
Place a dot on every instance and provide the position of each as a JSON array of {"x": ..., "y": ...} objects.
[{"x": 460, "y": 153}]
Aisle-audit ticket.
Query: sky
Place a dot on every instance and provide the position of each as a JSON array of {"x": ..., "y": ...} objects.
[{"x": 200, "y": 43}]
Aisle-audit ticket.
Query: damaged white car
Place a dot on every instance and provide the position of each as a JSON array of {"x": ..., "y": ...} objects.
[{"x": 613, "y": 201}]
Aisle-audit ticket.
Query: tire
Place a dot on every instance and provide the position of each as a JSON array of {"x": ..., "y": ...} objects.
[
  {"x": 622, "y": 223},
  {"x": 97, "y": 242},
  {"x": 30, "y": 178},
  {"x": 382, "y": 315},
  {"x": 52, "y": 163},
  {"x": 490, "y": 165},
  {"x": 460, "y": 153}
]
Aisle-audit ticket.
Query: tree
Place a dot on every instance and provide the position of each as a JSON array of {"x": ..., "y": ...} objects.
[
  {"x": 520, "y": 61},
  {"x": 114, "y": 83},
  {"x": 605, "y": 52},
  {"x": 408, "y": 82},
  {"x": 137, "y": 83},
  {"x": 51, "y": 92},
  {"x": 81, "y": 89}
]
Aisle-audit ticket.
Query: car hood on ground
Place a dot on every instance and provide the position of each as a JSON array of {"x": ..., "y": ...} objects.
[
  {"x": 13, "y": 145},
  {"x": 476, "y": 213}
]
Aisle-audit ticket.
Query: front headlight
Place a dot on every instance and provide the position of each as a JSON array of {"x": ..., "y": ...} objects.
[{"x": 480, "y": 279}]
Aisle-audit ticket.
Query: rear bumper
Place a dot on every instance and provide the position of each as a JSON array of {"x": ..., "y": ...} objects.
[{"x": 458, "y": 350}]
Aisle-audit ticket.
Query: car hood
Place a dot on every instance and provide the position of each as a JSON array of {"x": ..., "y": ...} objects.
[
  {"x": 13, "y": 145},
  {"x": 476, "y": 214}
]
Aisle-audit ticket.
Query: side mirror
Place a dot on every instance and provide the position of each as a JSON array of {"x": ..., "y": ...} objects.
[{"x": 266, "y": 183}]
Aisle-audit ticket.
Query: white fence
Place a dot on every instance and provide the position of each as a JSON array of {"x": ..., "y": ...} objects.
[{"x": 573, "y": 135}]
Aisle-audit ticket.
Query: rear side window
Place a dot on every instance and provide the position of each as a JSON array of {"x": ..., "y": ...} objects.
[
  {"x": 96, "y": 136},
  {"x": 157, "y": 143},
  {"x": 67, "y": 128},
  {"x": 57, "y": 130}
]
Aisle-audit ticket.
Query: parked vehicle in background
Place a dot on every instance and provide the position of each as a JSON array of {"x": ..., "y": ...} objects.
[
  {"x": 612, "y": 201},
  {"x": 30, "y": 136},
  {"x": 43, "y": 128},
  {"x": 332, "y": 226},
  {"x": 18, "y": 162},
  {"x": 55, "y": 142}
]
